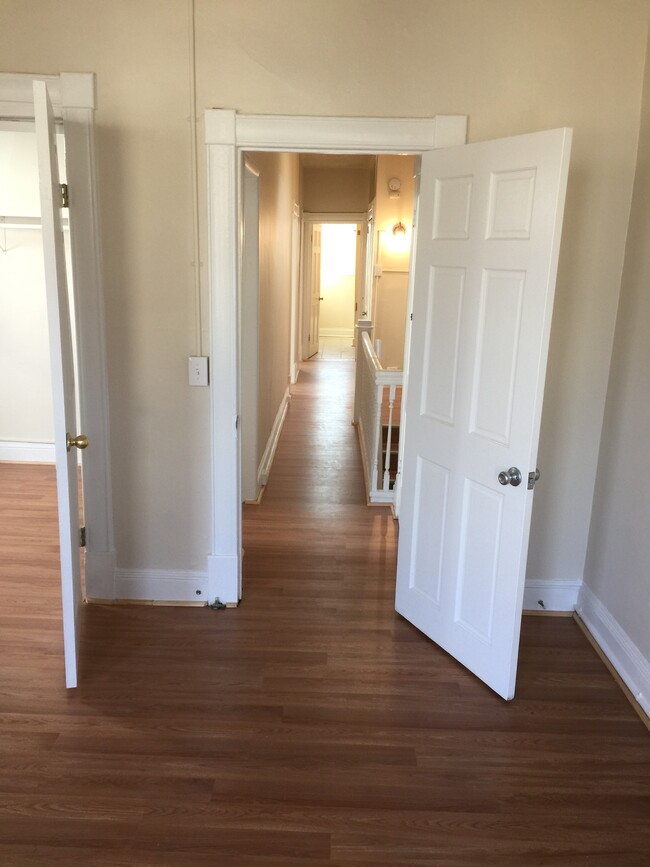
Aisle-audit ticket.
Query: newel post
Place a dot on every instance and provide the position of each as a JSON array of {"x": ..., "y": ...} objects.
[{"x": 361, "y": 326}]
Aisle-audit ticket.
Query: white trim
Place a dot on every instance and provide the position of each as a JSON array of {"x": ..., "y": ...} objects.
[
  {"x": 336, "y": 332},
  {"x": 272, "y": 442},
  {"x": 556, "y": 595},
  {"x": 101, "y": 565},
  {"x": 224, "y": 577},
  {"x": 38, "y": 453},
  {"x": 250, "y": 330},
  {"x": 159, "y": 585},
  {"x": 333, "y": 134},
  {"x": 227, "y": 134},
  {"x": 68, "y": 89},
  {"x": 618, "y": 647},
  {"x": 341, "y": 217},
  {"x": 295, "y": 337}
]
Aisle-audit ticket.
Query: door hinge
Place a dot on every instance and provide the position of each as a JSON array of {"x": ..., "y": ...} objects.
[
  {"x": 532, "y": 478},
  {"x": 82, "y": 537},
  {"x": 64, "y": 196}
]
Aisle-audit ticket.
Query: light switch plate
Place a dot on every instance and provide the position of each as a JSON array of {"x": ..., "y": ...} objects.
[{"x": 198, "y": 369}]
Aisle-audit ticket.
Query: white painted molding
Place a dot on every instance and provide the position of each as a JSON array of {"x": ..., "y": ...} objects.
[
  {"x": 618, "y": 647},
  {"x": 77, "y": 90},
  {"x": 556, "y": 595},
  {"x": 39, "y": 453},
  {"x": 223, "y": 233},
  {"x": 336, "y": 332},
  {"x": 67, "y": 90},
  {"x": 159, "y": 586},
  {"x": 307, "y": 133},
  {"x": 220, "y": 126},
  {"x": 272, "y": 442},
  {"x": 100, "y": 568},
  {"x": 224, "y": 578},
  {"x": 334, "y": 217}
]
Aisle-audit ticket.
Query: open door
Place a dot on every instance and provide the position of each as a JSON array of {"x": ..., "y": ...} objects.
[
  {"x": 490, "y": 219},
  {"x": 63, "y": 392},
  {"x": 315, "y": 299}
]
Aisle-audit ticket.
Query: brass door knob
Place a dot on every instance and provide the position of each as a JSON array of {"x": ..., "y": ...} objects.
[{"x": 79, "y": 442}]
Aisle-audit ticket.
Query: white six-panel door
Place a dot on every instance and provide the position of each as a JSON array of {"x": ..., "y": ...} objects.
[
  {"x": 490, "y": 217},
  {"x": 61, "y": 362},
  {"x": 314, "y": 315}
]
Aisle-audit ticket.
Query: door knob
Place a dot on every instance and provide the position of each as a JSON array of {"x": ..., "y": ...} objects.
[
  {"x": 510, "y": 477},
  {"x": 321, "y": 298},
  {"x": 79, "y": 442}
]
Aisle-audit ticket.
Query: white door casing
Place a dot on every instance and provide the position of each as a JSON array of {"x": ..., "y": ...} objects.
[
  {"x": 227, "y": 136},
  {"x": 488, "y": 235},
  {"x": 62, "y": 371},
  {"x": 294, "y": 325},
  {"x": 250, "y": 331}
]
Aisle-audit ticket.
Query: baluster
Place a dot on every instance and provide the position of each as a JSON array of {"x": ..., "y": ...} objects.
[
  {"x": 376, "y": 465},
  {"x": 391, "y": 401}
]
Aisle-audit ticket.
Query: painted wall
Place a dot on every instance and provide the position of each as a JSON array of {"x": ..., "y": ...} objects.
[
  {"x": 279, "y": 189},
  {"x": 513, "y": 66},
  {"x": 617, "y": 570},
  {"x": 392, "y": 252},
  {"x": 335, "y": 190},
  {"x": 337, "y": 278}
]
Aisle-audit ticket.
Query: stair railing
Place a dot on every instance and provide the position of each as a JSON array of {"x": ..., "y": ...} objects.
[{"x": 376, "y": 395}]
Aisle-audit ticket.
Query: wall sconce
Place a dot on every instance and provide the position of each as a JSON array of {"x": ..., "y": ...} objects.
[{"x": 399, "y": 229}]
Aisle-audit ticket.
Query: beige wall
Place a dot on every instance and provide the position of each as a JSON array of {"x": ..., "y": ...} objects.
[
  {"x": 393, "y": 254},
  {"x": 279, "y": 189},
  {"x": 335, "y": 190},
  {"x": 619, "y": 541},
  {"x": 513, "y": 66}
]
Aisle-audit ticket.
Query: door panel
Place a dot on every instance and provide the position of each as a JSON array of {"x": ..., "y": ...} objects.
[
  {"x": 62, "y": 367},
  {"x": 314, "y": 313},
  {"x": 490, "y": 218}
]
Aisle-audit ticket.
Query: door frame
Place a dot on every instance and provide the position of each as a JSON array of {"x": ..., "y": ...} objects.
[
  {"x": 73, "y": 100},
  {"x": 227, "y": 135},
  {"x": 250, "y": 329},
  {"x": 309, "y": 219}
]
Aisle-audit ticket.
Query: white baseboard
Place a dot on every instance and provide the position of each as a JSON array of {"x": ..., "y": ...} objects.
[
  {"x": 161, "y": 585},
  {"x": 41, "y": 453},
  {"x": 618, "y": 647},
  {"x": 336, "y": 332},
  {"x": 272, "y": 443},
  {"x": 555, "y": 595}
]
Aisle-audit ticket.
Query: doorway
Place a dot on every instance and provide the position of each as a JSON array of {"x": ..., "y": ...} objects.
[
  {"x": 332, "y": 283},
  {"x": 228, "y": 136}
]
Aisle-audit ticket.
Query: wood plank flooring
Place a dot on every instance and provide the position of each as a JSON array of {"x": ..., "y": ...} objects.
[{"x": 310, "y": 726}]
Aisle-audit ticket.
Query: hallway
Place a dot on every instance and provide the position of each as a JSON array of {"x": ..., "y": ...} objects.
[{"x": 312, "y": 725}]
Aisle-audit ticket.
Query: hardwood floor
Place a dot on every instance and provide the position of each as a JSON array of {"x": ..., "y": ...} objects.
[{"x": 310, "y": 726}]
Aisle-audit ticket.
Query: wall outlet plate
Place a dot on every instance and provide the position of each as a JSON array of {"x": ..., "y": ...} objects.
[{"x": 198, "y": 370}]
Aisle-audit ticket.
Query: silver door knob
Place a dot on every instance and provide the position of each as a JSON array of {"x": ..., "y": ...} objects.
[{"x": 510, "y": 477}]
